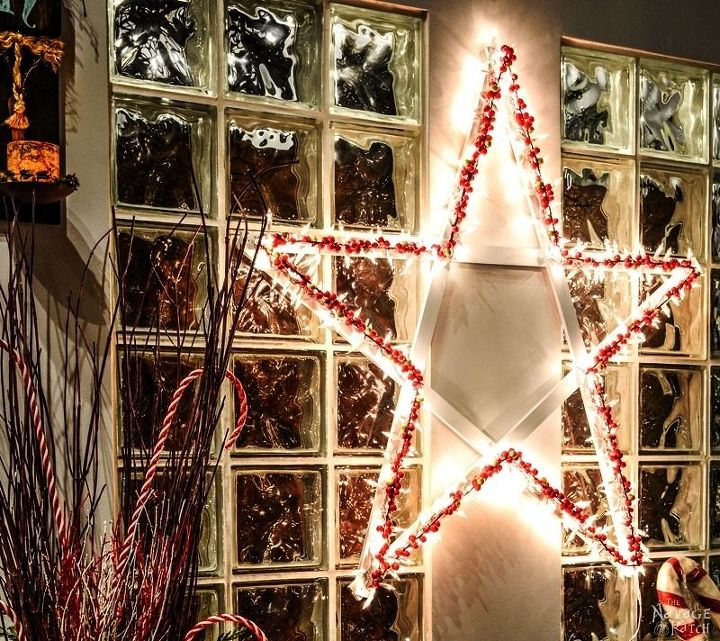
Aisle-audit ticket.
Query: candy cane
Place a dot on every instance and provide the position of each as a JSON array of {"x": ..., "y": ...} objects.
[
  {"x": 676, "y": 577},
  {"x": 226, "y": 618},
  {"x": 47, "y": 464},
  {"x": 146, "y": 490},
  {"x": 12, "y": 615}
]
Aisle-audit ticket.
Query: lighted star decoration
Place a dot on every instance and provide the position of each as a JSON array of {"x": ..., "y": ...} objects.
[{"x": 386, "y": 548}]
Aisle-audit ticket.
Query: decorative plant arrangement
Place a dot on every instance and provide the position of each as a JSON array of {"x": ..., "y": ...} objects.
[{"x": 64, "y": 574}]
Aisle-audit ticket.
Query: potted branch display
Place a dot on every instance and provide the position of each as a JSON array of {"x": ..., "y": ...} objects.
[{"x": 64, "y": 576}]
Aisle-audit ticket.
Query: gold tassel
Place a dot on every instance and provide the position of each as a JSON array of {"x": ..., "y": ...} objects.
[{"x": 18, "y": 120}]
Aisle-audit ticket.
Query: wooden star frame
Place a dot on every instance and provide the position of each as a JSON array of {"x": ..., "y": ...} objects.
[{"x": 385, "y": 548}]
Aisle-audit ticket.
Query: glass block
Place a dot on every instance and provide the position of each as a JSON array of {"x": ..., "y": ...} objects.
[
  {"x": 715, "y": 213},
  {"x": 673, "y": 111},
  {"x": 682, "y": 329},
  {"x": 583, "y": 485},
  {"x": 671, "y": 409},
  {"x": 272, "y": 49},
  {"x": 209, "y": 549},
  {"x": 366, "y": 399},
  {"x": 376, "y": 62},
  {"x": 376, "y": 180},
  {"x": 715, "y": 313},
  {"x": 161, "y": 152},
  {"x": 716, "y": 118},
  {"x": 355, "y": 494},
  {"x": 714, "y": 569},
  {"x": 148, "y": 382},
  {"x": 278, "y": 518},
  {"x": 383, "y": 290},
  {"x": 596, "y": 203},
  {"x": 292, "y": 611},
  {"x": 393, "y": 615},
  {"x": 715, "y": 409},
  {"x": 672, "y": 211},
  {"x": 597, "y": 99},
  {"x": 164, "y": 277},
  {"x": 204, "y": 604},
  {"x": 284, "y": 409},
  {"x": 163, "y": 41},
  {"x": 600, "y": 303},
  {"x": 274, "y": 169},
  {"x": 670, "y": 499},
  {"x": 576, "y": 431},
  {"x": 714, "y": 503},
  {"x": 595, "y": 602},
  {"x": 270, "y": 309}
]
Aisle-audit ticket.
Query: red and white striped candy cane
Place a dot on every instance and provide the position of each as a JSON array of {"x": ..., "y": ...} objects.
[
  {"x": 226, "y": 618},
  {"x": 676, "y": 576},
  {"x": 12, "y": 615},
  {"x": 146, "y": 490},
  {"x": 47, "y": 464}
]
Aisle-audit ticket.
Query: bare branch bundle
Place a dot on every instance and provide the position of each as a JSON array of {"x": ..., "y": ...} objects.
[{"x": 62, "y": 579}]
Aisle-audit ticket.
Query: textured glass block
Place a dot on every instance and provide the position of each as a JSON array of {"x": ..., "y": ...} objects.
[
  {"x": 576, "y": 431},
  {"x": 673, "y": 111},
  {"x": 714, "y": 503},
  {"x": 164, "y": 277},
  {"x": 292, "y": 611},
  {"x": 376, "y": 62},
  {"x": 599, "y": 303},
  {"x": 595, "y": 602},
  {"x": 366, "y": 399},
  {"x": 274, "y": 169},
  {"x": 384, "y": 292},
  {"x": 716, "y": 119},
  {"x": 149, "y": 381},
  {"x": 376, "y": 180},
  {"x": 714, "y": 569},
  {"x": 715, "y": 313},
  {"x": 682, "y": 328},
  {"x": 596, "y": 203},
  {"x": 204, "y": 604},
  {"x": 208, "y": 548},
  {"x": 671, "y": 409},
  {"x": 284, "y": 410},
  {"x": 597, "y": 99},
  {"x": 715, "y": 213},
  {"x": 355, "y": 494},
  {"x": 278, "y": 518},
  {"x": 270, "y": 309},
  {"x": 583, "y": 485},
  {"x": 670, "y": 503},
  {"x": 672, "y": 211},
  {"x": 161, "y": 154},
  {"x": 161, "y": 41},
  {"x": 273, "y": 50},
  {"x": 393, "y": 615},
  {"x": 715, "y": 409}
]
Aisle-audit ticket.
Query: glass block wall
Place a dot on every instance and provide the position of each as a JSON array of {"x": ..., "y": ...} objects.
[
  {"x": 324, "y": 103},
  {"x": 641, "y": 168}
]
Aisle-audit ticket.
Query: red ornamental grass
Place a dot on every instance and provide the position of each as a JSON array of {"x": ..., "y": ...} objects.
[{"x": 65, "y": 573}]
